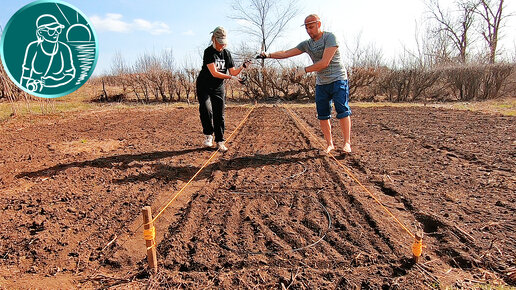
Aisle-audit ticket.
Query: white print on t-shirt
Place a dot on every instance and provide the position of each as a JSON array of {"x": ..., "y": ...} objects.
[{"x": 220, "y": 64}]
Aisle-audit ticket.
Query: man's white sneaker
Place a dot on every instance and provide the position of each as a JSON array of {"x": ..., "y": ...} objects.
[
  {"x": 347, "y": 148},
  {"x": 222, "y": 147},
  {"x": 208, "y": 142}
]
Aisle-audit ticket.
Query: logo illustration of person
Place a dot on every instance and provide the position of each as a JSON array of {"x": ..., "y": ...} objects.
[{"x": 48, "y": 62}]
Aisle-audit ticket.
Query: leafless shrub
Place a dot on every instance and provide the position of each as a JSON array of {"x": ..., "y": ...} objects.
[
  {"x": 409, "y": 84},
  {"x": 496, "y": 77},
  {"x": 253, "y": 87},
  {"x": 152, "y": 77},
  {"x": 104, "y": 94},
  {"x": 305, "y": 85},
  {"x": 361, "y": 80},
  {"x": 365, "y": 62},
  {"x": 187, "y": 77},
  {"x": 464, "y": 80},
  {"x": 396, "y": 84},
  {"x": 273, "y": 82},
  {"x": 423, "y": 82},
  {"x": 174, "y": 84},
  {"x": 257, "y": 87},
  {"x": 478, "y": 82}
]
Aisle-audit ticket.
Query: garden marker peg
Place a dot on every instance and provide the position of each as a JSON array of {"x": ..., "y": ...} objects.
[
  {"x": 149, "y": 234},
  {"x": 417, "y": 248}
]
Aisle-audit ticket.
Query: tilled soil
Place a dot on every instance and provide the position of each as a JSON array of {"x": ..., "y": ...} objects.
[{"x": 273, "y": 211}]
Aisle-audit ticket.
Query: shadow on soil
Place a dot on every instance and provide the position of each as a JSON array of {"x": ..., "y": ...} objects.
[
  {"x": 118, "y": 162},
  {"x": 171, "y": 173}
]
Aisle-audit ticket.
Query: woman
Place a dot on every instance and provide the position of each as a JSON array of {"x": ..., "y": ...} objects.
[{"x": 217, "y": 61}]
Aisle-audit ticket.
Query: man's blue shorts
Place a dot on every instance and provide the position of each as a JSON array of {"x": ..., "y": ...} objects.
[{"x": 336, "y": 92}]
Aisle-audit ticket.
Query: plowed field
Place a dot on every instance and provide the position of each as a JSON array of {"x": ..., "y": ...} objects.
[{"x": 274, "y": 211}]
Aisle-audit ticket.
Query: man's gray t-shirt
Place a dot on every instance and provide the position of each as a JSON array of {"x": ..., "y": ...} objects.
[{"x": 315, "y": 49}]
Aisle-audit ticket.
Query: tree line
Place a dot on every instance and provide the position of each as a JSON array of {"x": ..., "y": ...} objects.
[{"x": 457, "y": 57}]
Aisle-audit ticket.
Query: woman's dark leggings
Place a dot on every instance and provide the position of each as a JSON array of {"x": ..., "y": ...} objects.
[{"x": 211, "y": 109}]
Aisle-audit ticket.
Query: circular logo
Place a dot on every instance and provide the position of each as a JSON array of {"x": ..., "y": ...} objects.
[{"x": 49, "y": 48}]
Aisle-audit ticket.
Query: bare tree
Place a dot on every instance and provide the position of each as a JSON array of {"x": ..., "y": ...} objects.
[
  {"x": 145, "y": 69},
  {"x": 120, "y": 70},
  {"x": 491, "y": 12},
  {"x": 188, "y": 74},
  {"x": 156, "y": 71},
  {"x": 361, "y": 55},
  {"x": 119, "y": 66},
  {"x": 456, "y": 26},
  {"x": 364, "y": 61},
  {"x": 434, "y": 48},
  {"x": 168, "y": 74},
  {"x": 265, "y": 19}
]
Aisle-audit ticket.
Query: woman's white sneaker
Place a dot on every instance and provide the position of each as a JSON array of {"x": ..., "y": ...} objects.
[
  {"x": 222, "y": 147},
  {"x": 208, "y": 141}
]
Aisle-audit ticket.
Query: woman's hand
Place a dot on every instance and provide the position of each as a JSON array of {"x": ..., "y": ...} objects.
[{"x": 247, "y": 64}]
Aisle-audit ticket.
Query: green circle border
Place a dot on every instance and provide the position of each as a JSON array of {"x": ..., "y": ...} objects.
[{"x": 37, "y": 2}]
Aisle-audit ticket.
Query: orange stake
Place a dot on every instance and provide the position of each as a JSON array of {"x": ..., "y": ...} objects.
[{"x": 417, "y": 248}]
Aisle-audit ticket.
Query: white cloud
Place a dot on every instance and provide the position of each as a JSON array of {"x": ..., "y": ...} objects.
[
  {"x": 189, "y": 33},
  {"x": 142, "y": 24},
  {"x": 155, "y": 28},
  {"x": 113, "y": 22}
]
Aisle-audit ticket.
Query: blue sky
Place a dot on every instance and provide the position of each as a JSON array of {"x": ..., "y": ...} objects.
[{"x": 134, "y": 27}]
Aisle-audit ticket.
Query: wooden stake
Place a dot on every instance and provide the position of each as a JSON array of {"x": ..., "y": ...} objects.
[
  {"x": 417, "y": 248},
  {"x": 150, "y": 243}
]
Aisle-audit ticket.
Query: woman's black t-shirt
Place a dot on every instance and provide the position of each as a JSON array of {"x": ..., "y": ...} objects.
[{"x": 223, "y": 61}]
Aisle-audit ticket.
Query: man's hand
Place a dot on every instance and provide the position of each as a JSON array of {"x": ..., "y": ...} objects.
[
  {"x": 300, "y": 72},
  {"x": 235, "y": 78},
  {"x": 263, "y": 55}
]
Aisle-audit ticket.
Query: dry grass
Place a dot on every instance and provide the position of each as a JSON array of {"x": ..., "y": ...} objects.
[
  {"x": 505, "y": 106},
  {"x": 40, "y": 107},
  {"x": 81, "y": 101}
]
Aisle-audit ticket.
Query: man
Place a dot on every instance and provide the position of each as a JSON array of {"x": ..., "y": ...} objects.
[
  {"x": 48, "y": 62},
  {"x": 332, "y": 81}
]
